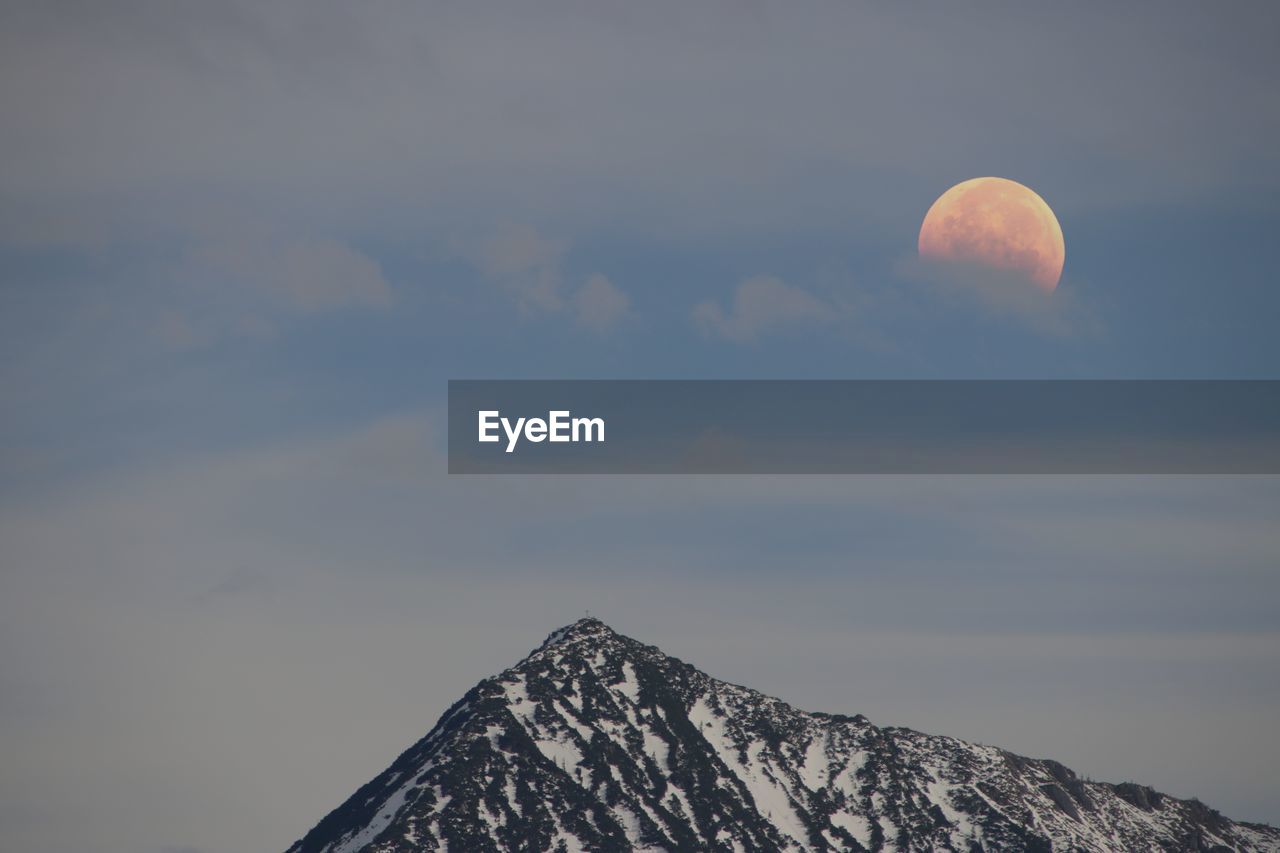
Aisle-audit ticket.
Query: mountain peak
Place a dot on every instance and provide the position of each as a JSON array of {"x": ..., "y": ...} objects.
[
  {"x": 599, "y": 742},
  {"x": 586, "y": 627}
]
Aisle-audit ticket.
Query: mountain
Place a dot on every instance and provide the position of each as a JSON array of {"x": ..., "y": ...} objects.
[{"x": 598, "y": 742}]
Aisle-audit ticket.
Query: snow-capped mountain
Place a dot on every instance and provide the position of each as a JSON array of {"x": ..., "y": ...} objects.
[{"x": 598, "y": 742}]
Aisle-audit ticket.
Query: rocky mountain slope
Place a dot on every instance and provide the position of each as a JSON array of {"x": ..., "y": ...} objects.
[{"x": 598, "y": 742}]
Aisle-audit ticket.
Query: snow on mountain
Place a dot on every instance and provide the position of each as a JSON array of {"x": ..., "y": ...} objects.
[{"x": 598, "y": 742}]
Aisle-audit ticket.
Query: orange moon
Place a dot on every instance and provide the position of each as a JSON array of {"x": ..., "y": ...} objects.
[{"x": 997, "y": 223}]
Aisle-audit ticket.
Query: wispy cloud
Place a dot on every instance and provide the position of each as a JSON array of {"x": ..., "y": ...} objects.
[
  {"x": 239, "y": 287},
  {"x": 528, "y": 266},
  {"x": 760, "y": 306},
  {"x": 304, "y": 275},
  {"x": 600, "y": 304},
  {"x": 1000, "y": 293}
]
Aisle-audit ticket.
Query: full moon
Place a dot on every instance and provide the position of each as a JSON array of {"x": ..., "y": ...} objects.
[{"x": 996, "y": 223}]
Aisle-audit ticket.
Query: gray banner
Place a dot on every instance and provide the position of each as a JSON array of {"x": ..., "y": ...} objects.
[{"x": 863, "y": 427}]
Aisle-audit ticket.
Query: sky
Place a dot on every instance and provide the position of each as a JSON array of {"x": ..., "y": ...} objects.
[{"x": 243, "y": 246}]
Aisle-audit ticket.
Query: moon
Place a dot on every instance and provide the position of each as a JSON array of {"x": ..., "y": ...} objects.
[{"x": 996, "y": 223}]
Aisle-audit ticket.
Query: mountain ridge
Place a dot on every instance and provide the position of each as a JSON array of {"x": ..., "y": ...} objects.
[{"x": 596, "y": 741}]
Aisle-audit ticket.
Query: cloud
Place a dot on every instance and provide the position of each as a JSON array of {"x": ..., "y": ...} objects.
[
  {"x": 325, "y": 275},
  {"x": 237, "y": 286},
  {"x": 304, "y": 275},
  {"x": 599, "y": 304},
  {"x": 527, "y": 265},
  {"x": 760, "y": 306},
  {"x": 1002, "y": 293}
]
